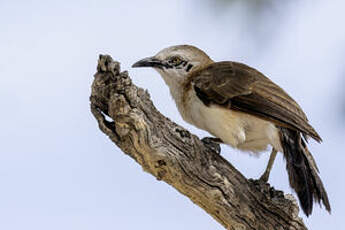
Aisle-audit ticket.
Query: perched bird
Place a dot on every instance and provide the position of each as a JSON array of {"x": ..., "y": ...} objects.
[{"x": 244, "y": 109}]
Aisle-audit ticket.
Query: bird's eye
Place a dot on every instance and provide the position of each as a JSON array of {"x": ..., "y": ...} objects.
[{"x": 175, "y": 60}]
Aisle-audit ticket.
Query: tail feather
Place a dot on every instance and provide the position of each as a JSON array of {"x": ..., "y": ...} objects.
[{"x": 303, "y": 172}]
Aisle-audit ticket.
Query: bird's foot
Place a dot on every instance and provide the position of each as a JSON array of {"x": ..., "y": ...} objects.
[
  {"x": 264, "y": 177},
  {"x": 212, "y": 143}
]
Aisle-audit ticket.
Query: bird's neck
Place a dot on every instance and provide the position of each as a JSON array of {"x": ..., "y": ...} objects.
[{"x": 176, "y": 86}]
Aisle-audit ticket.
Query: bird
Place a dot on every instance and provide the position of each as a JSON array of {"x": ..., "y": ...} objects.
[{"x": 241, "y": 107}]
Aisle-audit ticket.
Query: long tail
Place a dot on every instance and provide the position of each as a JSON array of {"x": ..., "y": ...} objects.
[{"x": 303, "y": 172}]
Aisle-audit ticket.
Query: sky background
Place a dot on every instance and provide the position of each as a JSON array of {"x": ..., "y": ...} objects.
[{"x": 59, "y": 171}]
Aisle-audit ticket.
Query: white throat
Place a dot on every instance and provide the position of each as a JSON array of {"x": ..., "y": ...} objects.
[{"x": 175, "y": 84}]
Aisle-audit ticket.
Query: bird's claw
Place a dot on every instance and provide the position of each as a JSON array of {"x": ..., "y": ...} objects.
[
  {"x": 264, "y": 178},
  {"x": 212, "y": 143}
]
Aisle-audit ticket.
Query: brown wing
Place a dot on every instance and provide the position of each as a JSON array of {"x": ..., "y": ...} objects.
[{"x": 247, "y": 90}]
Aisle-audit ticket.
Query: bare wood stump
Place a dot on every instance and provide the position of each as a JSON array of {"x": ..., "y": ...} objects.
[{"x": 174, "y": 155}]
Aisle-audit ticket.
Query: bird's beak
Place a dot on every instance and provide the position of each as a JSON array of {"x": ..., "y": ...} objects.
[{"x": 148, "y": 62}]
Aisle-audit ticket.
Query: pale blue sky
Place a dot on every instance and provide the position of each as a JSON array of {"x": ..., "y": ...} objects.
[{"x": 58, "y": 171}]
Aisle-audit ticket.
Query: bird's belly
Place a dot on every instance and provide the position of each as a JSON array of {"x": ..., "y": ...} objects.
[{"x": 240, "y": 130}]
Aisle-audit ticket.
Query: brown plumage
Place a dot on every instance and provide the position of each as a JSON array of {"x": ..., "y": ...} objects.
[
  {"x": 250, "y": 91},
  {"x": 242, "y": 88}
]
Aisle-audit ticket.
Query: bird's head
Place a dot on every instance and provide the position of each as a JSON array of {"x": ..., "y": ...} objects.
[{"x": 175, "y": 63}]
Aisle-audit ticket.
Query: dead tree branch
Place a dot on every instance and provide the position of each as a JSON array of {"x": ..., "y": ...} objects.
[{"x": 174, "y": 155}]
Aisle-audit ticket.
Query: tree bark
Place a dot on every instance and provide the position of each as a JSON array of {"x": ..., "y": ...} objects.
[{"x": 174, "y": 155}]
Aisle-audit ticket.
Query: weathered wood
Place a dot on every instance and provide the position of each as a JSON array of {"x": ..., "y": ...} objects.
[{"x": 174, "y": 155}]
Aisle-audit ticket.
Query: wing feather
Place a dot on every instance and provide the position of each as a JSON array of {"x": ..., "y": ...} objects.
[{"x": 249, "y": 91}]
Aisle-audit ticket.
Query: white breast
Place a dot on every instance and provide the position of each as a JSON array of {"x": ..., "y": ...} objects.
[{"x": 240, "y": 130}]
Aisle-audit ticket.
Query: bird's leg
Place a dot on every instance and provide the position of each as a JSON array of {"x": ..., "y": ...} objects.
[
  {"x": 266, "y": 174},
  {"x": 213, "y": 143}
]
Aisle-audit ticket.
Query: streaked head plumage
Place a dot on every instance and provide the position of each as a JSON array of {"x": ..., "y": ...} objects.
[{"x": 176, "y": 61}]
